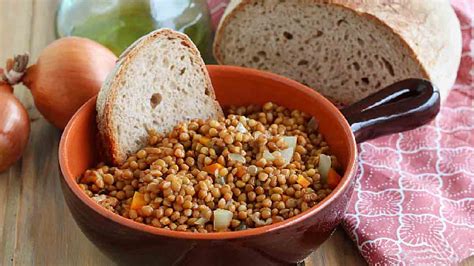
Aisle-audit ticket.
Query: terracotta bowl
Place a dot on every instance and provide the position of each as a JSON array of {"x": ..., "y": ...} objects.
[{"x": 287, "y": 242}]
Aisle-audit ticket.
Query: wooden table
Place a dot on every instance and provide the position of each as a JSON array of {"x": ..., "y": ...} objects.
[{"x": 35, "y": 224}]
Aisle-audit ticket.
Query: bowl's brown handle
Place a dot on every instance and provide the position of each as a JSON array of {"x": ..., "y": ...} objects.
[{"x": 404, "y": 105}]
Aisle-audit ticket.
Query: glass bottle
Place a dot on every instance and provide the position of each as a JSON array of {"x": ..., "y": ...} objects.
[{"x": 118, "y": 23}]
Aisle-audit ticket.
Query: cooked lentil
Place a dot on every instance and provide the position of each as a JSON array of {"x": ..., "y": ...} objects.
[{"x": 236, "y": 164}]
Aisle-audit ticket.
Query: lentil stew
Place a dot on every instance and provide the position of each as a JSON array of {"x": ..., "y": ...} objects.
[{"x": 258, "y": 166}]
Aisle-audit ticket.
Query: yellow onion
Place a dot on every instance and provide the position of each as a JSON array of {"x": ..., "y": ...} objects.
[
  {"x": 14, "y": 127},
  {"x": 222, "y": 219},
  {"x": 324, "y": 166},
  {"x": 237, "y": 157},
  {"x": 67, "y": 73}
]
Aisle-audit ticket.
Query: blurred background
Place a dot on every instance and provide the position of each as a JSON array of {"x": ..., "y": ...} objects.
[{"x": 118, "y": 23}]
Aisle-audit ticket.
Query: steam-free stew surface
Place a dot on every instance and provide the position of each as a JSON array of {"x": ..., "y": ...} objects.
[{"x": 256, "y": 167}]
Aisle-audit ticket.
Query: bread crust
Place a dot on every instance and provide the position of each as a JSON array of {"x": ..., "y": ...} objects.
[
  {"x": 109, "y": 92},
  {"x": 437, "y": 55}
]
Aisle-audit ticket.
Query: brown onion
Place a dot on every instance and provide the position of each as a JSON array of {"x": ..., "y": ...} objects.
[
  {"x": 68, "y": 72},
  {"x": 14, "y": 127}
]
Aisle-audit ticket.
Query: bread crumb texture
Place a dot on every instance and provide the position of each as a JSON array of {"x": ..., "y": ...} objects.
[
  {"x": 159, "y": 82},
  {"x": 332, "y": 49}
]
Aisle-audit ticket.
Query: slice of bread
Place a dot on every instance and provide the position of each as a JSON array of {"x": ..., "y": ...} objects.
[
  {"x": 158, "y": 82},
  {"x": 345, "y": 49}
]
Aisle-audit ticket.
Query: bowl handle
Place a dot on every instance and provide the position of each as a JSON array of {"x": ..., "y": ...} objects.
[{"x": 404, "y": 105}]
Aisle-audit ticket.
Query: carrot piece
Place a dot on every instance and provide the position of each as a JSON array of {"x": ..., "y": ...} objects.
[
  {"x": 212, "y": 168},
  {"x": 240, "y": 171},
  {"x": 138, "y": 201},
  {"x": 333, "y": 178},
  {"x": 303, "y": 181},
  {"x": 204, "y": 141}
]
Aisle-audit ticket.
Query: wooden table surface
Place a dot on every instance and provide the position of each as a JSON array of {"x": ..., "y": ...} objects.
[{"x": 36, "y": 227}]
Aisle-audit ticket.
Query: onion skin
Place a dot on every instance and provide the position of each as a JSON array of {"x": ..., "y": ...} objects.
[
  {"x": 14, "y": 127},
  {"x": 68, "y": 72}
]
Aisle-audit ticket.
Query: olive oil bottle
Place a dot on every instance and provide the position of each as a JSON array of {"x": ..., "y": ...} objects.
[{"x": 118, "y": 23}]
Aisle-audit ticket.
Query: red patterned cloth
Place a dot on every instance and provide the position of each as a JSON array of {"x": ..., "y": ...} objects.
[
  {"x": 414, "y": 197},
  {"x": 217, "y": 8}
]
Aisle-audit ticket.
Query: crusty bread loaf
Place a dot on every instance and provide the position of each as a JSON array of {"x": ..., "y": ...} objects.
[
  {"x": 158, "y": 82},
  {"x": 345, "y": 49}
]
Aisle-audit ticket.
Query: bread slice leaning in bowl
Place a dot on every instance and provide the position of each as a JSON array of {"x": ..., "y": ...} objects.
[
  {"x": 345, "y": 49},
  {"x": 158, "y": 82}
]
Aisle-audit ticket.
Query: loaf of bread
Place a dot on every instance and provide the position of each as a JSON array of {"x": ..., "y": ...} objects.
[
  {"x": 345, "y": 49},
  {"x": 159, "y": 81}
]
